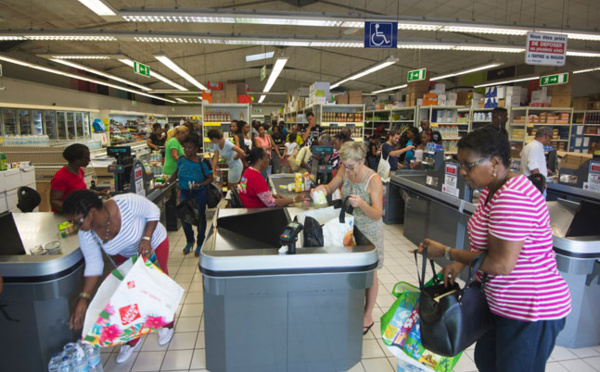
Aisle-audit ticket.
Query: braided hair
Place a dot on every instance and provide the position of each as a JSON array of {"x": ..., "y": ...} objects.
[{"x": 81, "y": 202}]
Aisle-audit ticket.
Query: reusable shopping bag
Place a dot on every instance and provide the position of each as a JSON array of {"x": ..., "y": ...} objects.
[
  {"x": 134, "y": 299},
  {"x": 452, "y": 319},
  {"x": 338, "y": 225},
  {"x": 213, "y": 193},
  {"x": 384, "y": 167},
  {"x": 401, "y": 332}
]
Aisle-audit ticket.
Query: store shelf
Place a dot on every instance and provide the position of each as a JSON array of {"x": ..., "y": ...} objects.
[
  {"x": 481, "y": 121},
  {"x": 342, "y": 124},
  {"x": 450, "y": 139},
  {"x": 450, "y": 123},
  {"x": 547, "y": 125},
  {"x": 559, "y": 140}
]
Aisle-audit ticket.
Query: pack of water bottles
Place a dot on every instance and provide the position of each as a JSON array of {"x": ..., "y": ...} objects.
[{"x": 76, "y": 357}]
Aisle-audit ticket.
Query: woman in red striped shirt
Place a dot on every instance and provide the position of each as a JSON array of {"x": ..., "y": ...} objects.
[{"x": 526, "y": 294}]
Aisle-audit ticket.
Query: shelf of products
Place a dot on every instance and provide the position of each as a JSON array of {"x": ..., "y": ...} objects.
[
  {"x": 451, "y": 121},
  {"x": 130, "y": 128},
  {"x": 332, "y": 118},
  {"x": 524, "y": 121},
  {"x": 220, "y": 115},
  {"x": 57, "y": 125},
  {"x": 586, "y": 131},
  {"x": 384, "y": 121}
]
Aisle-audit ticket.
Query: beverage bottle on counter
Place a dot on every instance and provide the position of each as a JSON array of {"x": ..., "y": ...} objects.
[
  {"x": 65, "y": 365},
  {"x": 93, "y": 357},
  {"x": 54, "y": 365}
]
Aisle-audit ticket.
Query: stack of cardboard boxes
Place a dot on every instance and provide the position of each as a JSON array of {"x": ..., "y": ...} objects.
[
  {"x": 352, "y": 97},
  {"x": 416, "y": 90},
  {"x": 232, "y": 92},
  {"x": 319, "y": 94},
  {"x": 561, "y": 94}
]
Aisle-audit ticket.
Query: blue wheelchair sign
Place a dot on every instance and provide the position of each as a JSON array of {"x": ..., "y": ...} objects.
[{"x": 381, "y": 34}]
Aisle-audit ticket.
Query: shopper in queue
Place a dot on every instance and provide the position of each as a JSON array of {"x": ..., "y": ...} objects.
[
  {"x": 126, "y": 225},
  {"x": 527, "y": 296},
  {"x": 245, "y": 127},
  {"x": 70, "y": 177},
  {"x": 157, "y": 139},
  {"x": 499, "y": 119},
  {"x": 279, "y": 142},
  {"x": 389, "y": 152},
  {"x": 412, "y": 134},
  {"x": 433, "y": 136},
  {"x": 312, "y": 132},
  {"x": 174, "y": 150},
  {"x": 295, "y": 130},
  {"x": 533, "y": 157},
  {"x": 232, "y": 154},
  {"x": 365, "y": 189},
  {"x": 265, "y": 141},
  {"x": 253, "y": 189},
  {"x": 193, "y": 175}
]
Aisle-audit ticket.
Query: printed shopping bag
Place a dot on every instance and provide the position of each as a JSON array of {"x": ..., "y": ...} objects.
[
  {"x": 134, "y": 299},
  {"x": 401, "y": 332}
]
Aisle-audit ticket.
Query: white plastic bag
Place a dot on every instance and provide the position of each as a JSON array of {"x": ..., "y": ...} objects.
[
  {"x": 136, "y": 298},
  {"x": 384, "y": 167},
  {"x": 338, "y": 226}
]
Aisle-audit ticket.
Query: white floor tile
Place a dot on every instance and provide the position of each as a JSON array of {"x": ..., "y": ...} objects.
[
  {"x": 562, "y": 353},
  {"x": 555, "y": 367},
  {"x": 358, "y": 367},
  {"x": 198, "y": 359},
  {"x": 371, "y": 349},
  {"x": 112, "y": 366},
  {"x": 151, "y": 343},
  {"x": 200, "y": 342},
  {"x": 585, "y": 352},
  {"x": 594, "y": 362},
  {"x": 148, "y": 361},
  {"x": 188, "y": 324},
  {"x": 194, "y": 298},
  {"x": 193, "y": 310},
  {"x": 577, "y": 365},
  {"x": 177, "y": 360},
  {"x": 465, "y": 364},
  {"x": 378, "y": 365},
  {"x": 183, "y": 341}
]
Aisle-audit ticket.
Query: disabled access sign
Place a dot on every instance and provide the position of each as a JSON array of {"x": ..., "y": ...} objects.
[{"x": 381, "y": 34}]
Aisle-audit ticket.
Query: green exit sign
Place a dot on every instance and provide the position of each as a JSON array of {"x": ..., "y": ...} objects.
[
  {"x": 416, "y": 75},
  {"x": 263, "y": 73},
  {"x": 141, "y": 69},
  {"x": 554, "y": 79}
]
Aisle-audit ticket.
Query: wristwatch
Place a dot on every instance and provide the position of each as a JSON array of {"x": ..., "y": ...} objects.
[
  {"x": 447, "y": 253},
  {"x": 146, "y": 238},
  {"x": 85, "y": 295}
]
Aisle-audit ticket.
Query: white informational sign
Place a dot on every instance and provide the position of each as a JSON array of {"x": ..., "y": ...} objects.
[
  {"x": 139, "y": 181},
  {"x": 593, "y": 182},
  {"x": 546, "y": 49},
  {"x": 450, "y": 180}
]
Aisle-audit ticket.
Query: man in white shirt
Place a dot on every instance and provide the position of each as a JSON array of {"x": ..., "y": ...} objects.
[{"x": 533, "y": 159}]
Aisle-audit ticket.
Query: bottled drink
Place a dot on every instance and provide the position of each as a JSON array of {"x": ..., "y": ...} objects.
[
  {"x": 93, "y": 357},
  {"x": 54, "y": 365},
  {"x": 77, "y": 357},
  {"x": 65, "y": 365}
]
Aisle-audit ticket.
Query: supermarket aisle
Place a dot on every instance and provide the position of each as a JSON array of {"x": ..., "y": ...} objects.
[{"x": 186, "y": 350}]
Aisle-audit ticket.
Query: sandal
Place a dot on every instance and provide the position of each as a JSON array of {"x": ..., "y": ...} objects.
[{"x": 367, "y": 329}]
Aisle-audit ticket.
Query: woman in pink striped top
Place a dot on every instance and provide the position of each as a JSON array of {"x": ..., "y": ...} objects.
[{"x": 526, "y": 294}]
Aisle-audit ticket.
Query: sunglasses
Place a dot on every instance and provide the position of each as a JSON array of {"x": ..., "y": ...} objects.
[
  {"x": 80, "y": 221},
  {"x": 469, "y": 166}
]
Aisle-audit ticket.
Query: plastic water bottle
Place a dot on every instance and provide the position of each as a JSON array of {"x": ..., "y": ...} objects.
[
  {"x": 65, "y": 365},
  {"x": 93, "y": 357},
  {"x": 77, "y": 356},
  {"x": 54, "y": 365}
]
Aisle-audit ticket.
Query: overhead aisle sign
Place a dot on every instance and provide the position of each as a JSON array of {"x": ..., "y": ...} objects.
[
  {"x": 546, "y": 49},
  {"x": 416, "y": 75},
  {"x": 141, "y": 69},
  {"x": 381, "y": 34}
]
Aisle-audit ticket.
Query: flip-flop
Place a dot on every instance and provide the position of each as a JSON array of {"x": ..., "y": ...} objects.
[{"x": 367, "y": 329}]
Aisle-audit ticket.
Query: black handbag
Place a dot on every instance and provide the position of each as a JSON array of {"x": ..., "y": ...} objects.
[
  {"x": 213, "y": 193},
  {"x": 187, "y": 211},
  {"x": 452, "y": 319}
]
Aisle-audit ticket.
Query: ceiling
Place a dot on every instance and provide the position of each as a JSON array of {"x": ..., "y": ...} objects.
[{"x": 216, "y": 62}]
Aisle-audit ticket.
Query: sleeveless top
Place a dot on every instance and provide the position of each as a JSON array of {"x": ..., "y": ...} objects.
[
  {"x": 372, "y": 229},
  {"x": 265, "y": 143}
]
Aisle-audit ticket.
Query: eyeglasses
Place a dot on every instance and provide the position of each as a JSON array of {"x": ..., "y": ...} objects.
[
  {"x": 469, "y": 166},
  {"x": 80, "y": 221},
  {"x": 350, "y": 167}
]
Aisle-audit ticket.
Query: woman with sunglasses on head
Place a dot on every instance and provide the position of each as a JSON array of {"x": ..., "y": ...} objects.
[
  {"x": 527, "y": 296},
  {"x": 126, "y": 225},
  {"x": 365, "y": 190}
]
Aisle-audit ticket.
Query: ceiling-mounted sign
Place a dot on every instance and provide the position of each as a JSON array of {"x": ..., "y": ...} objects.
[
  {"x": 546, "y": 49},
  {"x": 416, "y": 75},
  {"x": 381, "y": 34},
  {"x": 141, "y": 69},
  {"x": 263, "y": 73},
  {"x": 554, "y": 79}
]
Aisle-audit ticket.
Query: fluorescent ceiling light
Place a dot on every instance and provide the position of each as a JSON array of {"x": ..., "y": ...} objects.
[
  {"x": 155, "y": 74},
  {"x": 71, "y": 37},
  {"x": 9, "y": 37},
  {"x": 79, "y": 77},
  {"x": 98, "y": 7},
  {"x": 259, "y": 56},
  {"x": 587, "y": 70},
  {"x": 387, "y": 62},
  {"x": 97, "y": 72},
  {"x": 179, "y": 71},
  {"x": 277, "y": 68},
  {"x": 468, "y": 71},
  {"x": 390, "y": 89},
  {"x": 582, "y": 53},
  {"x": 507, "y": 82},
  {"x": 181, "y": 100},
  {"x": 81, "y": 56},
  {"x": 486, "y": 48}
]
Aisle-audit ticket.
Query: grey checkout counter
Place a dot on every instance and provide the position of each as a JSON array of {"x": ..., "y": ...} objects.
[
  {"x": 266, "y": 311},
  {"x": 38, "y": 294}
]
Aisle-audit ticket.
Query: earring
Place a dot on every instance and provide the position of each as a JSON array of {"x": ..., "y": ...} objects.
[{"x": 494, "y": 173}]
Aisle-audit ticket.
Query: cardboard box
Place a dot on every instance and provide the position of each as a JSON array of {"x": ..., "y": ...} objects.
[
  {"x": 561, "y": 90},
  {"x": 464, "y": 97},
  {"x": 241, "y": 89},
  {"x": 538, "y": 96},
  {"x": 355, "y": 97},
  {"x": 581, "y": 103},
  {"x": 218, "y": 96},
  {"x": 430, "y": 99},
  {"x": 572, "y": 160},
  {"x": 341, "y": 99},
  {"x": 561, "y": 101}
]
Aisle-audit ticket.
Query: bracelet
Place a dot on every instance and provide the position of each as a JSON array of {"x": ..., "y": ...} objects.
[
  {"x": 146, "y": 238},
  {"x": 447, "y": 253},
  {"x": 85, "y": 296}
]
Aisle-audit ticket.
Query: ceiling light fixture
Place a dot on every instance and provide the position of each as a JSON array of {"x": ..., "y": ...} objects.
[
  {"x": 586, "y": 70},
  {"x": 179, "y": 71},
  {"x": 468, "y": 71},
  {"x": 155, "y": 74},
  {"x": 181, "y": 100},
  {"x": 582, "y": 53},
  {"x": 277, "y": 68},
  {"x": 99, "y": 7},
  {"x": 79, "y": 77},
  {"x": 78, "y": 57},
  {"x": 259, "y": 56},
  {"x": 390, "y": 89},
  {"x": 70, "y": 38},
  {"x": 100, "y": 73},
  {"x": 381, "y": 65}
]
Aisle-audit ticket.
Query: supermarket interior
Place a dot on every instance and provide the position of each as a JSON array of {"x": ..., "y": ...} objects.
[{"x": 254, "y": 121}]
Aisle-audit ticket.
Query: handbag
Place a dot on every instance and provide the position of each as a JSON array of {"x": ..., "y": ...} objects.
[
  {"x": 187, "y": 211},
  {"x": 452, "y": 319},
  {"x": 213, "y": 193}
]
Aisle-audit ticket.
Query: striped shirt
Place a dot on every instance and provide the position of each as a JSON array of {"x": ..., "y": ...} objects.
[
  {"x": 534, "y": 290},
  {"x": 135, "y": 212}
]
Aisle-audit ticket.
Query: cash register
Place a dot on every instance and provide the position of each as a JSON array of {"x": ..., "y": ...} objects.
[
  {"x": 129, "y": 173},
  {"x": 443, "y": 173},
  {"x": 321, "y": 172}
]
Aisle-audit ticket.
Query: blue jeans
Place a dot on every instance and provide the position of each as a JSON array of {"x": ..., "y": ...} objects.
[
  {"x": 515, "y": 345},
  {"x": 200, "y": 196}
]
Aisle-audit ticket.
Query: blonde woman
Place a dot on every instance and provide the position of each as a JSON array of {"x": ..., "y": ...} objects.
[{"x": 365, "y": 190}]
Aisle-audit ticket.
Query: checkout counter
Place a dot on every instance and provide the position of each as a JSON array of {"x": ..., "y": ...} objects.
[
  {"x": 270, "y": 311},
  {"x": 39, "y": 292}
]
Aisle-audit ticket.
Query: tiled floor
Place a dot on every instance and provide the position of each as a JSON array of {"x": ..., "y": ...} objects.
[{"x": 186, "y": 350}]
